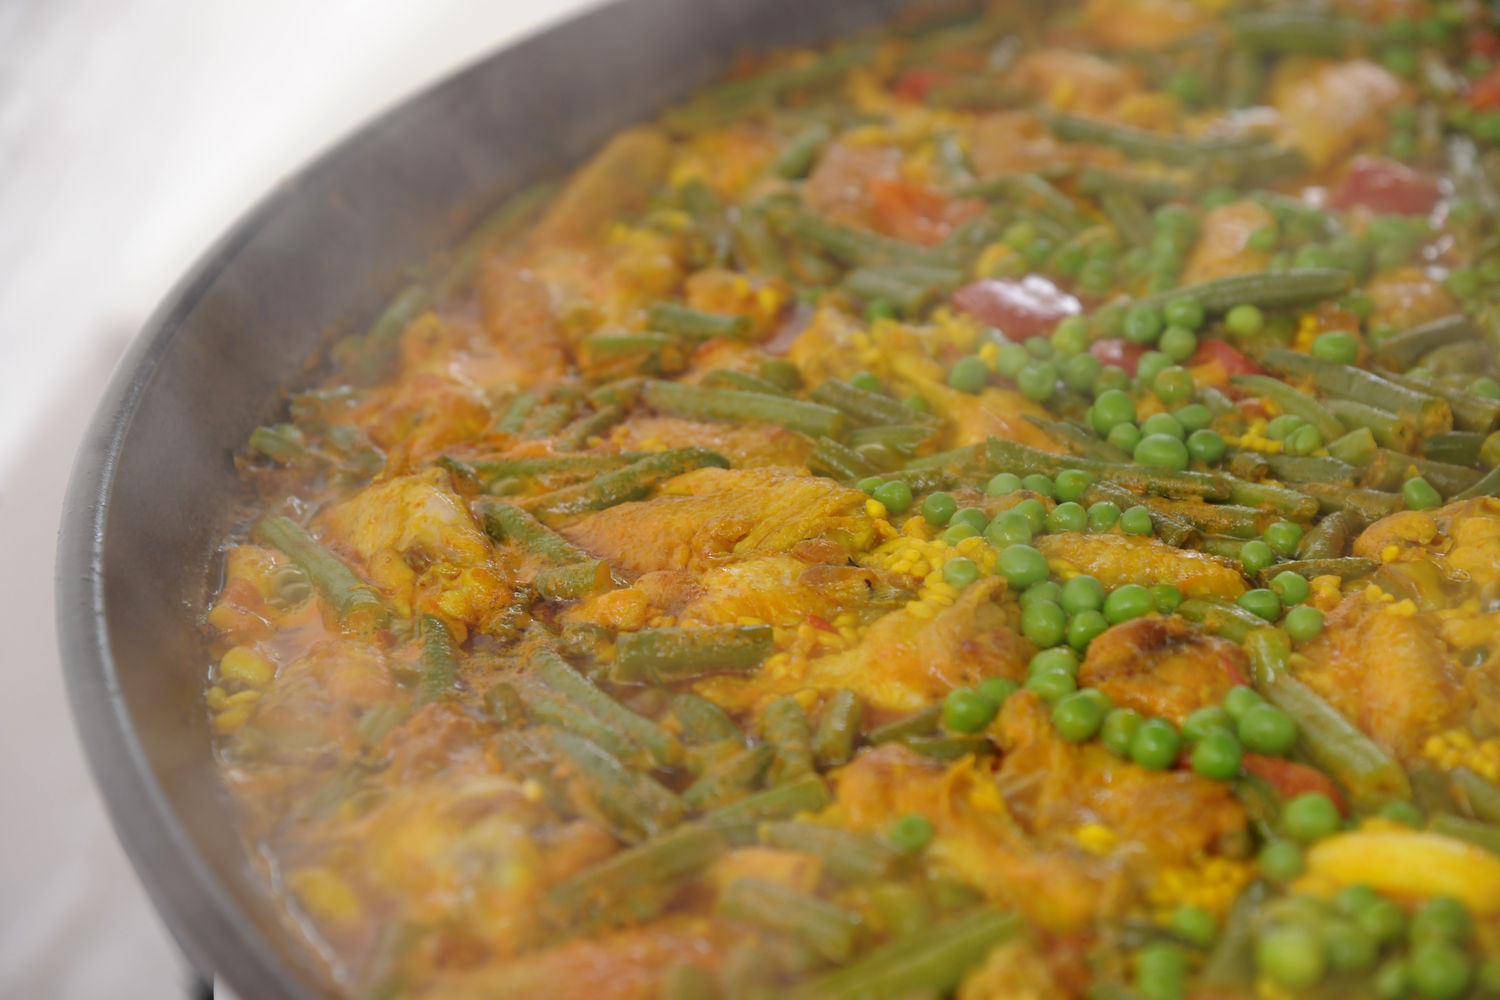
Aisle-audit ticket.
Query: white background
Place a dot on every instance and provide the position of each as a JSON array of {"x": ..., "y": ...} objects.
[{"x": 132, "y": 132}]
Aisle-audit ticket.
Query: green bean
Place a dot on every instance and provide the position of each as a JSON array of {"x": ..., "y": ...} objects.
[
  {"x": 1310, "y": 469},
  {"x": 1296, "y": 31},
  {"x": 855, "y": 247},
  {"x": 798, "y": 154},
  {"x": 784, "y": 727},
  {"x": 846, "y": 855},
  {"x": 1470, "y": 412},
  {"x": 928, "y": 962},
  {"x": 838, "y": 461},
  {"x": 1387, "y": 428},
  {"x": 561, "y": 583},
  {"x": 685, "y": 321},
  {"x": 1265, "y": 289},
  {"x": 1140, "y": 144},
  {"x": 1407, "y": 348},
  {"x": 1244, "y": 77},
  {"x": 756, "y": 245},
  {"x": 504, "y": 704},
  {"x": 711, "y": 219},
  {"x": 907, "y": 292},
  {"x": 1487, "y": 486},
  {"x": 1008, "y": 456},
  {"x": 1355, "y": 448},
  {"x": 1216, "y": 519},
  {"x": 1155, "y": 188},
  {"x": 1294, "y": 504},
  {"x": 1430, "y": 411},
  {"x": 726, "y": 378},
  {"x": 549, "y": 708},
  {"x": 682, "y": 400},
  {"x": 506, "y": 522},
  {"x": 488, "y": 471},
  {"x": 439, "y": 662},
  {"x": 1388, "y": 471},
  {"x": 788, "y": 79},
  {"x": 354, "y": 601},
  {"x": 863, "y": 407},
  {"x": 1222, "y": 546},
  {"x": 1289, "y": 399},
  {"x": 656, "y": 741},
  {"x": 1346, "y": 568},
  {"x": 732, "y": 778},
  {"x": 1368, "y": 506},
  {"x": 382, "y": 717},
  {"x": 1031, "y": 192},
  {"x": 805, "y": 794},
  {"x": 687, "y": 982},
  {"x": 948, "y": 747},
  {"x": 1479, "y": 794},
  {"x": 838, "y": 728},
  {"x": 282, "y": 443},
  {"x": 1473, "y": 831},
  {"x": 1329, "y": 537},
  {"x": 1454, "y": 447},
  {"x": 616, "y": 344},
  {"x": 1231, "y": 963},
  {"x": 1431, "y": 791},
  {"x": 900, "y": 437},
  {"x": 663, "y": 655},
  {"x": 409, "y": 303},
  {"x": 830, "y": 929},
  {"x": 1081, "y": 440},
  {"x": 1227, "y": 620},
  {"x": 577, "y": 434},
  {"x": 922, "y": 722},
  {"x": 1127, "y": 213},
  {"x": 676, "y": 855},
  {"x": 702, "y": 722},
  {"x": 1335, "y": 746},
  {"x": 633, "y": 482}
]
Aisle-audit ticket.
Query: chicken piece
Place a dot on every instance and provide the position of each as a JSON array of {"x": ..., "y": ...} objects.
[
  {"x": 1055, "y": 883},
  {"x": 516, "y": 309},
  {"x": 1387, "y": 670},
  {"x": 416, "y": 418},
  {"x": 728, "y": 160},
  {"x": 1474, "y": 527},
  {"x": 778, "y": 589},
  {"x": 1460, "y": 540},
  {"x": 711, "y": 513},
  {"x": 1162, "y": 666},
  {"x": 1405, "y": 297},
  {"x": 316, "y": 699},
  {"x": 1017, "y": 142},
  {"x": 835, "y": 345},
  {"x": 1077, "y": 81},
  {"x": 615, "y": 184},
  {"x": 1223, "y": 246},
  {"x": 759, "y": 298},
  {"x": 1141, "y": 24},
  {"x": 793, "y": 869},
  {"x": 839, "y": 186},
  {"x": 746, "y": 446},
  {"x": 1013, "y": 971},
  {"x": 1120, "y": 559},
  {"x": 1328, "y": 107}
]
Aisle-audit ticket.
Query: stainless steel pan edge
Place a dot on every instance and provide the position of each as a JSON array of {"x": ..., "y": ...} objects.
[{"x": 153, "y": 486}]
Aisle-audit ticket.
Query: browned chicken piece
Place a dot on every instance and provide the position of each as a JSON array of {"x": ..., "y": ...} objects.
[
  {"x": 1013, "y": 142},
  {"x": 1054, "y": 786},
  {"x": 1328, "y": 107},
  {"x": 1141, "y": 24},
  {"x": 712, "y": 513},
  {"x": 780, "y": 590},
  {"x": 746, "y": 446},
  {"x": 1223, "y": 245},
  {"x": 1386, "y": 669},
  {"x": 615, "y": 184},
  {"x": 1116, "y": 560},
  {"x": 793, "y": 869},
  {"x": 415, "y": 419},
  {"x": 1053, "y": 881},
  {"x": 517, "y": 310},
  {"x": 1405, "y": 297},
  {"x": 1162, "y": 666},
  {"x": 1015, "y": 970},
  {"x": 310, "y": 699},
  {"x": 1462, "y": 540},
  {"x": 1077, "y": 81},
  {"x": 839, "y": 185}
]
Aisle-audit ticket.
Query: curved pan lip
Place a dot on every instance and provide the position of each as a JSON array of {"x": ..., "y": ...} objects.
[{"x": 211, "y": 927}]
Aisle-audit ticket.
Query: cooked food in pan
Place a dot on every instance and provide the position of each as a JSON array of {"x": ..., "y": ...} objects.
[{"x": 998, "y": 507}]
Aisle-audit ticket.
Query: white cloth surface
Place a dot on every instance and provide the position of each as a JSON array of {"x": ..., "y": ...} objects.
[{"x": 132, "y": 132}]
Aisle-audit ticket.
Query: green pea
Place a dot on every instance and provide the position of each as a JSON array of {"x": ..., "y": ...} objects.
[
  {"x": 1077, "y": 717},
  {"x": 1008, "y": 528},
  {"x": 1084, "y": 627},
  {"x": 1217, "y": 755},
  {"x": 1124, "y": 436},
  {"x": 1383, "y": 920},
  {"x": 1291, "y": 587},
  {"x": 1173, "y": 384},
  {"x": 1486, "y": 387},
  {"x": 869, "y": 484},
  {"x": 1126, "y": 602},
  {"x": 959, "y": 572},
  {"x": 1206, "y": 445},
  {"x": 1161, "y": 968},
  {"x": 1178, "y": 343},
  {"x": 1348, "y": 948},
  {"x": 1463, "y": 282},
  {"x": 1010, "y": 359},
  {"x": 1262, "y": 602},
  {"x": 1112, "y": 407},
  {"x": 1051, "y": 687},
  {"x": 1218, "y": 196},
  {"x": 1162, "y": 451},
  {"x": 969, "y": 375},
  {"x": 1441, "y": 918},
  {"x": 1194, "y": 417},
  {"x": 1038, "y": 380},
  {"x": 1266, "y": 729},
  {"x": 1200, "y": 722},
  {"x": 1184, "y": 311},
  {"x": 1440, "y": 971},
  {"x": 1163, "y": 423},
  {"x": 997, "y": 689},
  {"x": 1022, "y": 566},
  {"x": 1166, "y": 597},
  {"x": 866, "y": 381},
  {"x": 966, "y": 711},
  {"x": 1309, "y": 817},
  {"x": 1244, "y": 320},
  {"x": 1240, "y": 699},
  {"x": 1402, "y": 812},
  {"x": 1082, "y": 593},
  {"x": 1047, "y": 590},
  {"x": 1282, "y": 427},
  {"x": 1149, "y": 365},
  {"x": 1119, "y": 730},
  {"x": 1392, "y": 980},
  {"x": 1303, "y": 623},
  {"x": 1195, "y": 925},
  {"x": 1058, "y": 659},
  {"x": 1136, "y": 521},
  {"x": 1263, "y": 239},
  {"x": 1110, "y": 377},
  {"x": 1080, "y": 371},
  {"x": 1280, "y": 861},
  {"x": 1103, "y": 515},
  {"x": 1283, "y": 537},
  {"x": 1034, "y": 511},
  {"x": 894, "y": 495},
  {"x": 1304, "y": 441},
  {"x": 1352, "y": 899},
  {"x": 1068, "y": 516},
  {"x": 1038, "y": 483},
  {"x": 1002, "y": 483},
  {"x": 917, "y": 403},
  {"x": 1143, "y": 324},
  {"x": 1096, "y": 277},
  {"x": 1155, "y": 744},
  {"x": 910, "y": 833},
  {"x": 1419, "y": 494},
  {"x": 1070, "y": 484},
  {"x": 1044, "y": 623},
  {"x": 1038, "y": 347},
  {"x": 957, "y": 533},
  {"x": 973, "y": 517},
  {"x": 1256, "y": 555},
  {"x": 938, "y": 508},
  {"x": 1336, "y": 346}
]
